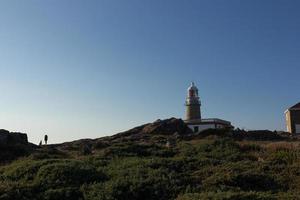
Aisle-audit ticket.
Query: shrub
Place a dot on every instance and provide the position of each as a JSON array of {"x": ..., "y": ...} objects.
[
  {"x": 223, "y": 149},
  {"x": 228, "y": 196},
  {"x": 245, "y": 175},
  {"x": 24, "y": 170},
  {"x": 250, "y": 147},
  {"x": 67, "y": 193},
  {"x": 140, "y": 150},
  {"x": 19, "y": 191},
  {"x": 283, "y": 157},
  {"x": 68, "y": 173}
]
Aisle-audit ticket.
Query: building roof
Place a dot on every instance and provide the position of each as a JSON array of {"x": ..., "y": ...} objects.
[
  {"x": 294, "y": 107},
  {"x": 297, "y": 106}
]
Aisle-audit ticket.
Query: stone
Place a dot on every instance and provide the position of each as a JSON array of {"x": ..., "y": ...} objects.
[
  {"x": 167, "y": 127},
  {"x": 11, "y": 138}
]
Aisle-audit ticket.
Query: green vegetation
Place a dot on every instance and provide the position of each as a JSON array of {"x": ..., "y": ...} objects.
[{"x": 216, "y": 166}]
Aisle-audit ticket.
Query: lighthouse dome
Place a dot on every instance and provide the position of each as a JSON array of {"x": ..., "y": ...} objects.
[
  {"x": 193, "y": 90},
  {"x": 193, "y": 87}
]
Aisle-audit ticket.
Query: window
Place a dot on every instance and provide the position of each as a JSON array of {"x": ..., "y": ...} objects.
[
  {"x": 196, "y": 129},
  {"x": 297, "y": 126}
]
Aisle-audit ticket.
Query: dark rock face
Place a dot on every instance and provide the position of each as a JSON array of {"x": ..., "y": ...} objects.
[
  {"x": 7, "y": 138},
  {"x": 156, "y": 132},
  {"x": 170, "y": 126},
  {"x": 13, "y": 146},
  {"x": 167, "y": 127}
]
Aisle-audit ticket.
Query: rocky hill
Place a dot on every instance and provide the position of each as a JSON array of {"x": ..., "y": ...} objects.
[
  {"x": 157, "y": 132},
  {"x": 160, "y": 160},
  {"x": 162, "y": 131}
]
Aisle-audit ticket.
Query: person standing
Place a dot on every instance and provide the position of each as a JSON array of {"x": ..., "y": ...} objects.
[{"x": 46, "y": 139}]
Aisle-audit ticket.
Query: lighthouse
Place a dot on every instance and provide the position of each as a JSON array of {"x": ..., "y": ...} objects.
[
  {"x": 193, "y": 103},
  {"x": 193, "y": 114}
]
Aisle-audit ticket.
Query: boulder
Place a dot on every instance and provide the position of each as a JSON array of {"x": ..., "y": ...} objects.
[
  {"x": 167, "y": 127},
  {"x": 8, "y": 138},
  {"x": 13, "y": 146}
]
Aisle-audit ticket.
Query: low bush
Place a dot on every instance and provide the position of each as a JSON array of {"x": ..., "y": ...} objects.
[
  {"x": 231, "y": 195},
  {"x": 68, "y": 173}
]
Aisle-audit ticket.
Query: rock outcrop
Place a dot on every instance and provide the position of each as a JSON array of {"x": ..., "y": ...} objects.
[
  {"x": 159, "y": 127},
  {"x": 8, "y": 138},
  {"x": 14, "y": 145},
  {"x": 167, "y": 127}
]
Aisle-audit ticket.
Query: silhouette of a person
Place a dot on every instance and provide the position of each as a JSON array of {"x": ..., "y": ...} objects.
[{"x": 46, "y": 139}]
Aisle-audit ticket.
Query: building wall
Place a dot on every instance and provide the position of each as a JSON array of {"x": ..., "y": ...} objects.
[
  {"x": 297, "y": 128},
  {"x": 293, "y": 121},
  {"x": 202, "y": 127},
  {"x": 288, "y": 121}
]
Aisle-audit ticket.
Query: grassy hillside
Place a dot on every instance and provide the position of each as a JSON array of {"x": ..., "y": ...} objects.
[{"x": 138, "y": 165}]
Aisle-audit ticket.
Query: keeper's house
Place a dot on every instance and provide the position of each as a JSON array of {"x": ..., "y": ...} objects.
[{"x": 292, "y": 116}]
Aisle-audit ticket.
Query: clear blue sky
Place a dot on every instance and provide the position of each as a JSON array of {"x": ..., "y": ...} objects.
[{"x": 85, "y": 69}]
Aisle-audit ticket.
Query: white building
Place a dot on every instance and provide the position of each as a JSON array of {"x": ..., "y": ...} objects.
[
  {"x": 193, "y": 114},
  {"x": 292, "y": 116}
]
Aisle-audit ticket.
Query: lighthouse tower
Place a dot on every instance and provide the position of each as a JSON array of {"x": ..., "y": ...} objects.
[{"x": 192, "y": 103}]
